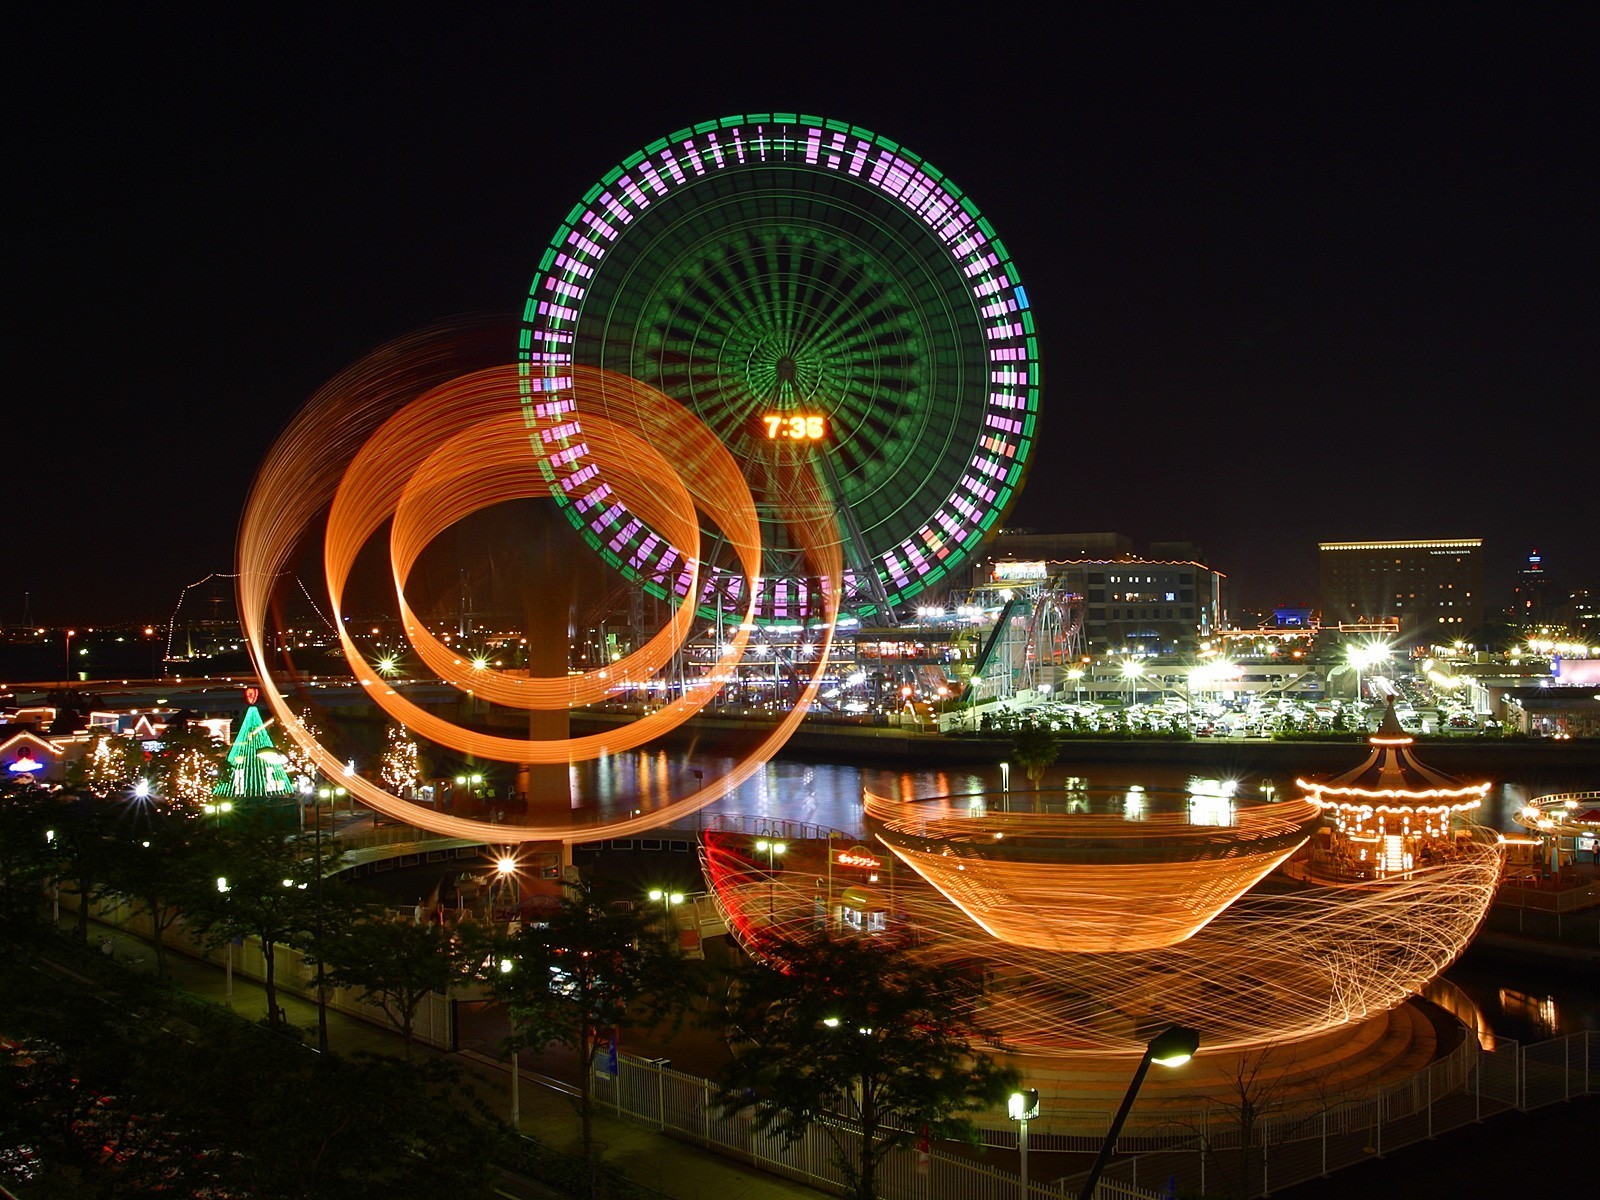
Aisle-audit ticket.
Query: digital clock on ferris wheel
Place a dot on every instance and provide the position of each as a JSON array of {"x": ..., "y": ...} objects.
[{"x": 796, "y": 427}]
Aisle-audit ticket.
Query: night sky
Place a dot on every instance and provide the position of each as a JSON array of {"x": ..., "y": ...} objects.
[{"x": 1293, "y": 282}]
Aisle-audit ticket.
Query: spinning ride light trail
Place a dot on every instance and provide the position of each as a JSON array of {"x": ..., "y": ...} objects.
[
  {"x": 781, "y": 274},
  {"x": 1275, "y": 966},
  {"x": 401, "y": 439},
  {"x": 1088, "y": 882}
]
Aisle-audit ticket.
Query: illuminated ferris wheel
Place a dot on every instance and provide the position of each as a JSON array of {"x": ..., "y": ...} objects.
[{"x": 825, "y": 301}]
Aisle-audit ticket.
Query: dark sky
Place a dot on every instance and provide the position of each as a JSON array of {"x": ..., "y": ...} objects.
[{"x": 1293, "y": 281}]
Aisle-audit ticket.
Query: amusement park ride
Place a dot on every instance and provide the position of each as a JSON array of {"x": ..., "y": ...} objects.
[{"x": 781, "y": 376}]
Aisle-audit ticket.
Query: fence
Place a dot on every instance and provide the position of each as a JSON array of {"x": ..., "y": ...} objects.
[
  {"x": 1203, "y": 1153},
  {"x": 685, "y": 1106},
  {"x": 1278, "y": 1152}
]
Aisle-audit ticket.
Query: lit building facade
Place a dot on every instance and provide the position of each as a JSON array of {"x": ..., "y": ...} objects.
[
  {"x": 1165, "y": 602},
  {"x": 1433, "y": 588}
]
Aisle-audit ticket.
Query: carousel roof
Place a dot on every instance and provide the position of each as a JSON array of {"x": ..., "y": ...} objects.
[{"x": 1392, "y": 772}]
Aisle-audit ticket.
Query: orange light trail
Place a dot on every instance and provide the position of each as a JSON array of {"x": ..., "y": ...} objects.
[{"x": 411, "y": 437}]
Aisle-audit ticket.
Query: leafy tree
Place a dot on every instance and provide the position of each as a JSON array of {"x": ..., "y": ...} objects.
[
  {"x": 1035, "y": 749},
  {"x": 396, "y": 964},
  {"x": 86, "y": 838},
  {"x": 264, "y": 888},
  {"x": 159, "y": 861},
  {"x": 847, "y": 1025},
  {"x": 28, "y": 854},
  {"x": 574, "y": 977}
]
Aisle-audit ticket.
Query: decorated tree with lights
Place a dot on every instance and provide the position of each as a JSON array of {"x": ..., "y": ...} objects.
[
  {"x": 401, "y": 765},
  {"x": 297, "y": 764},
  {"x": 190, "y": 769},
  {"x": 111, "y": 765}
]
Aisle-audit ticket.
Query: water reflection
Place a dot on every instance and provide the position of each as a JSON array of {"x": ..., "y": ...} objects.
[{"x": 829, "y": 793}]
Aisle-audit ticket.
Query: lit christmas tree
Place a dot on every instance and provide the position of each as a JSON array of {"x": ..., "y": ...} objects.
[
  {"x": 248, "y": 773},
  {"x": 400, "y": 768}
]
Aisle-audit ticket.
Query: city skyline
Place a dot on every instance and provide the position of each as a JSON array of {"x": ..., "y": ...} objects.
[{"x": 1293, "y": 283}]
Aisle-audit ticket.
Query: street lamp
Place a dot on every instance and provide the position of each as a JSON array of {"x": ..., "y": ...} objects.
[
  {"x": 771, "y": 850},
  {"x": 1019, "y": 1107},
  {"x": 1131, "y": 670},
  {"x": 1172, "y": 1047},
  {"x": 667, "y": 899}
]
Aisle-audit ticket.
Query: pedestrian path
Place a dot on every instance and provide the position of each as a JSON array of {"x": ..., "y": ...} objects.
[{"x": 670, "y": 1167}]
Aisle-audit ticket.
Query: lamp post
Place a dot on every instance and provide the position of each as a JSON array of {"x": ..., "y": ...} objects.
[
  {"x": 1131, "y": 670},
  {"x": 668, "y": 899},
  {"x": 274, "y": 756},
  {"x": 71, "y": 633},
  {"x": 1172, "y": 1047},
  {"x": 1019, "y": 1107},
  {"x": 771, "y": 850},
  {"x": 222, "y": 886}
]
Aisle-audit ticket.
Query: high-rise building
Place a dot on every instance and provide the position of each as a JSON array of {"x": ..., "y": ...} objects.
[
  {"x": 1532, "y": 592},
  {"x": 1433, "y": 588}
]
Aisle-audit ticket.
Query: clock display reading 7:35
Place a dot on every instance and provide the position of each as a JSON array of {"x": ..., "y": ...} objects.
[{"x": 800, "y": 427}]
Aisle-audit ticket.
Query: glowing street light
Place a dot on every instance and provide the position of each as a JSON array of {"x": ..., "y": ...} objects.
[
  {"x": 1172, "y": 1047},
  {"x": 667, "y": 900},
  {"x": 1019, "y": 1107},
  {"x": 1132, "y": 668},
  {"x": 773, "y": 851}
]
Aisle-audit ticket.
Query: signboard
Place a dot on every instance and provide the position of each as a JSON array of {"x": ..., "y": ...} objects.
[{"x": 1021, "y": 570}]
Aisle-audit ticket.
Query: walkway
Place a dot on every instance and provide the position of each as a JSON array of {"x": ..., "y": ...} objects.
[{"x": 654, "y": 1161}]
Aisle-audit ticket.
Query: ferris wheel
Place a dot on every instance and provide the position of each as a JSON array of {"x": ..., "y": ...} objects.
[{"x": 825, "y": 301}]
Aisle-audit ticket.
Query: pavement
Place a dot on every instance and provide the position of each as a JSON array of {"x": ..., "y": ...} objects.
[{"x": 650, "y": 1159}]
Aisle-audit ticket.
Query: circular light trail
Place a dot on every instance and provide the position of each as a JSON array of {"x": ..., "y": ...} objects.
[{"x": 399, "y": 438}]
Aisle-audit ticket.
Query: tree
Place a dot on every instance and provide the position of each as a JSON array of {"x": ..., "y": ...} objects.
[
  {"x": 575, "y": 976},
  {"x": 111, "y": 765},
  {"x": 1252, "y": 1093},
  {"x": 189, "y": 768},
  {"x": 400, "y": 768},
  {"x": 396, "y": 964},
  {"x": 1035, "y": 750},
  {"x": 28, "y": 852},
  {"x": 157, "y": 862},
  {"x": 858, "y": 1027},
  {"x": 263, "y": 889}
]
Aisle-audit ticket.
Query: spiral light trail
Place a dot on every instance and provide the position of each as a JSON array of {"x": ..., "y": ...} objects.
[{"x": 425, "y": 432}]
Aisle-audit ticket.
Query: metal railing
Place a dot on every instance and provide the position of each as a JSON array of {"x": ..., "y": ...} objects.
[
  {"x": 684, "y": 1105},
  {"x": 1469, "y": 1086}
]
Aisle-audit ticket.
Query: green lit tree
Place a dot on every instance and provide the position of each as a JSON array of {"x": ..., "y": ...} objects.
[{"x": 860, "y": 1028}]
